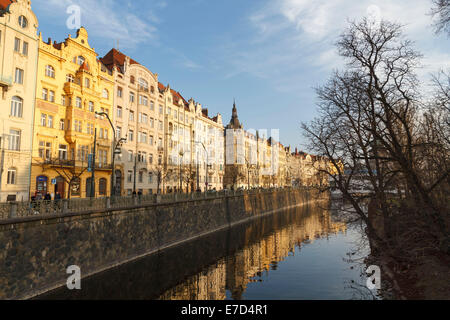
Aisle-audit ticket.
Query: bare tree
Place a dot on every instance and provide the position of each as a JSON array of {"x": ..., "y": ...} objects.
[
  {"x": 370, "y": 120},
  {"x": 441, "y": 11}
]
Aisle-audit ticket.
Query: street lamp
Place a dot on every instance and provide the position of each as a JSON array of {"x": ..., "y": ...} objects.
[
  {"x": 207, "y": 161},
  {"x": 114, "y": 147}
]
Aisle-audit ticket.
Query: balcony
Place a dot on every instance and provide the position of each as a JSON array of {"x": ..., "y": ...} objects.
[{"x": 5, "y": 81}]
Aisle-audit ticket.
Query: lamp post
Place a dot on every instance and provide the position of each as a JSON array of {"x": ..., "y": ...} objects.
[
  {"x": 114, "y": 147},
  {"x": 207, "y": 161}
]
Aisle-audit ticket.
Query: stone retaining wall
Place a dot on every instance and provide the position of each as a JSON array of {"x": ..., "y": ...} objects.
[{"x": 35, "y": 252}]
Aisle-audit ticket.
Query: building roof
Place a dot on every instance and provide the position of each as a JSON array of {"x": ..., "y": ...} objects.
[
  {"x": 115, "y": 58},
  {"x": 234, "y": 122},
  {"x": 5, "y": 3}
]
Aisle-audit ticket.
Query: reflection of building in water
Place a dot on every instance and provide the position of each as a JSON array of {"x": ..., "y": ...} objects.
[{"x": 235, "y": 272}]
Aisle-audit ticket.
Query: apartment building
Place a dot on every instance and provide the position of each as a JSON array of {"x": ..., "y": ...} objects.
[
  {"x": 18, "y": 61},
  {"x": 72, "y": 87}
]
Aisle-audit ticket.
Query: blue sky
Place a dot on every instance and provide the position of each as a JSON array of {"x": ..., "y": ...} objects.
[{"x": 268, "y": 54}]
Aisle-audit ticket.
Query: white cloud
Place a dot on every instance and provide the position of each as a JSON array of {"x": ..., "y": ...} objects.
[{"x": 108, "y": 19}]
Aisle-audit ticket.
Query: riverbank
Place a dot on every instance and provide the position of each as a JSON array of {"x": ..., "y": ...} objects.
[
  {"x": 35, "y": 252},
  {"x": 410, "y": 257}
]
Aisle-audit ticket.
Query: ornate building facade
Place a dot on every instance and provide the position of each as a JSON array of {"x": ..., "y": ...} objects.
[
  {"x": 72, "y": 85},
  {"x": 138, "y": 118},
  {"x": 18, "y": 59}
]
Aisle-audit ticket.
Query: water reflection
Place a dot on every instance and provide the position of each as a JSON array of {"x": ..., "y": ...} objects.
[{"x": 296, "y": 254}]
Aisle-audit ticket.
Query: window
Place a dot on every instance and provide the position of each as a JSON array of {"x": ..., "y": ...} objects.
[
  {"x": 82, "y": 153},
  {"x": 160, "y": 143},
  {"x": 131, "y": 97},
  {"x": 49, "y": 71},
  {"x": 90, "y": 128},
  {"x": 130, "y": 155},
  {"x": 12, "y": 172},
  {"x": 160, "y": 109},
  {"x": 144, "y": 118},
  {"x": 152, "y": 105},
  {"x": 143, "y": 100},
  {"x": 44, "y": 94},
  {"x": 25, "y": 48},
  {"x": 143, "y": 84},
  {"x": 45, "y": 150},
  {"x": 87, "y": 83},
  {"x": 160, "y": 125},
  {"x": 61, "y": 124},
  {"x": 130, "y": 135},
  {"x": 62, "y": 152},
  {"x": 78, "y": 102},
  {"x": 119, "y": 112},
  {"x": 129, "y": 176},
  {"x": 78, "y": 126},
  {"x": 118, "y": 132},
  {"x": 132, "y": 79},
  {"x": 119, "y": 92},
  {"x": 43, "y": 119},
  {"x": 150, "y": 158},
  {"x": 70, "y": 78},
  {"x": 150, "y": 140},
  {"x": 50, "y": 121},
  {"x": 141, "y": 176},
  {"x": 150, "y": 178},
  {"x": 14, "y": 140},
  {"x": 91, "y": 106},
  {"x": 16, "y": 107},
  {"x": 105, "y": 94},
  {"x": 23, "y": 23},
  {"x": 131, "y": 118},
  {"x": 51, "y": 96},
  {"x": 80, "y": 60},
  {"x": 17, "y": 45},
  {"x": 103, "y": 156},
  {"x": 63, "y": 100},
  {"x": 19, "y": 76}
]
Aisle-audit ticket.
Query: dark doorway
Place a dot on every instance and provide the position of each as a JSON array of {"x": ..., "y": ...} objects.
[{"x": 60, "y": 187}]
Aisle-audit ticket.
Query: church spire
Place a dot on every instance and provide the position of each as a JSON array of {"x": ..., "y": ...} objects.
[{"x": 234, "y": 122}]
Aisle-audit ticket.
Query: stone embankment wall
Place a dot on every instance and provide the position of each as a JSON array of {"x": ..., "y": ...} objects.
[{"x": 36, "y": 251}]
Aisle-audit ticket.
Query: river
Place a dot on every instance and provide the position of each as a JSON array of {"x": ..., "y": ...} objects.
[{"x": 302, "y": 253}]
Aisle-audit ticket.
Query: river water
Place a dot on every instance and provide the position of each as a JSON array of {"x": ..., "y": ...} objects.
[{"x": 302, "y": 253}]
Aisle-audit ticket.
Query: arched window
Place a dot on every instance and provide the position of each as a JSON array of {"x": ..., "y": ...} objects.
[
  {"x": 70, "y": 78},
  {"x": 105, "y": 94},
  {"x": 49, "y": 71},
  {"x": 16, "y": 107},
  {"x": 102, "y": 187},
  {"x": 143, "y": 84},
  {"x": 80, "y": 60}
]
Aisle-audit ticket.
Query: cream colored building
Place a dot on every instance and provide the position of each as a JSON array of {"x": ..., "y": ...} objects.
[
  {"x": 18, "y": 60},
  {"x": 138, "y": 119}
]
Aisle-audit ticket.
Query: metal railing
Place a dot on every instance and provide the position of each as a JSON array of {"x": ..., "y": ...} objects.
[{"x": 12, "y": 210}]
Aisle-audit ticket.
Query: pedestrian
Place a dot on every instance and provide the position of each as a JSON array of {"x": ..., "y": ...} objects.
[{"x": 48, "y": 197}]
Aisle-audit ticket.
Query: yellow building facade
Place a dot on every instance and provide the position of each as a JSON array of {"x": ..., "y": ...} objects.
[{"x": 72, "y": 85}]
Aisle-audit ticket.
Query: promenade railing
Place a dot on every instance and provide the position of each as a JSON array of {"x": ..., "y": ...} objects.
[{"x": 12, "y": 210}]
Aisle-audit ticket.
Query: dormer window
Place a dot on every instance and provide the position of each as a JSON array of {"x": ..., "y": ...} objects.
[
  {"x": 79, "y": 60},
  {"x": 23, "y": 22}
]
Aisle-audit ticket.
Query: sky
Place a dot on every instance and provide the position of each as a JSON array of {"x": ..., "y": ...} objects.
[{"x": 269, "y": 55}]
